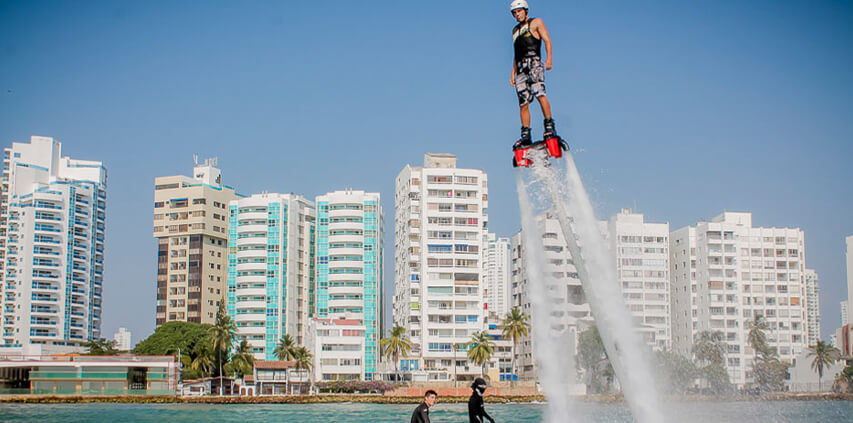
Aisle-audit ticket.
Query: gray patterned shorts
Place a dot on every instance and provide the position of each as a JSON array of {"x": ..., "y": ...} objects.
[{"x": 529, "y": 79}]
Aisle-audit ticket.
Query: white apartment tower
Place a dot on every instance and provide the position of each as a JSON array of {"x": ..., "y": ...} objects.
[
  {"x": 497, "y": 277},
  {"x": 349, "y": 269},
  {"x": 574, "y": 314},
  {"x": 725, "y": 272},
  {"x": 440, "y": 231},
  {"x": 812, "y": 306},
  {"x": 641, "y": 251},
  {"x": 52, "y": 217},
  {"x": 122, "y": 339},
  {"x": 848, "y": 256},
  {"x": 191, "y": 227},
  {"x": 270, "y": 286}
]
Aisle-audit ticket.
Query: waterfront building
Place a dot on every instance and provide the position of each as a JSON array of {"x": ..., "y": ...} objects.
[
  {"x": 497, "y": 276},
  {"x": 122, "y": 339},
  {"x": 270, "y": 285},
  {"x": 71, "y": 374},
  {"x": 191, "y": 227},
  {"x": 440, "y": 231},
  {"x": 52, "y": 223},
  {"x": 812, "y": 296},
  {"x": 349, "y": 267},
  {"x": 339, "y": 350},
  {"x": 641, "y": 252},
  {"x": 725, "y": 272},
  {"x": 572, "y": 313}
]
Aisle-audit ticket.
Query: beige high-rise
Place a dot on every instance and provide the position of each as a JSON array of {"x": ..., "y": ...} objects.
[{"x": 191, "y": 227}]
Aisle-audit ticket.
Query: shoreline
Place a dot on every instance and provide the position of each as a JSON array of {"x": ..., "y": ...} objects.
[{"x": 381, "y": 399}]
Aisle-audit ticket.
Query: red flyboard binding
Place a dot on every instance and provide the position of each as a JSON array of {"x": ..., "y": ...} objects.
[{"x": 553, "y": 145}]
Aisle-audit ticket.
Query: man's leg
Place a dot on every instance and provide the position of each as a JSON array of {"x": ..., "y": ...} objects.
[
  {"x": 525, "y": 115},
  {"x": 546, "y": 108}
]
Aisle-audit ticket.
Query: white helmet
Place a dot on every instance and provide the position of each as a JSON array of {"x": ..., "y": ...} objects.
[{"x": 518, "y": 4}]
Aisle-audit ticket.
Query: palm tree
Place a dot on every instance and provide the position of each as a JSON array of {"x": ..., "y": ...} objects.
[
  {"x": 514, "y": 327},
  {"x": 757, "y": 338},
  {"x": 242, "y": 360},
  {"x": 284, "y": 350},
  {"x": 481, "y": 349},
  {"x": 223, "y": 333},
  {"x": 397, "y": 343},
  {"x": 708, "y": 347},
  {"x": 824, "y": 355},
  {"x": 202, "y": 363},
  {"x": 303, "y": 360}
]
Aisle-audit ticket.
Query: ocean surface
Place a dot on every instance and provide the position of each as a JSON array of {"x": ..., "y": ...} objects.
[{"x": 696, "y": 412}]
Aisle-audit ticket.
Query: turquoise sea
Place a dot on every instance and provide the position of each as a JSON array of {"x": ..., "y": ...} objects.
[{"x": 698, "y": 412}]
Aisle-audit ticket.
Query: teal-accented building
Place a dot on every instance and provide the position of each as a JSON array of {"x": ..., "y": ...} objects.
[
  {"x": 349, "y": 263},
  {"x": 69, "y": 374},
  {"x": 270, "y": 269}
]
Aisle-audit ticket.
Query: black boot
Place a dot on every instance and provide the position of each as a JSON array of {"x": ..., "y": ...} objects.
[
  {"x": 550, "y": 131},
  {"x": 525, "y": 140}
]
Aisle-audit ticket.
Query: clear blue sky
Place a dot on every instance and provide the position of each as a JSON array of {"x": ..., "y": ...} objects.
[{"x": 680, "y": 110}]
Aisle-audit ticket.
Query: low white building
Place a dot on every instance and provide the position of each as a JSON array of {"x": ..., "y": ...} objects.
[
  {"x": 805, "y": 379},
  {"x": 338, "y": 348}
]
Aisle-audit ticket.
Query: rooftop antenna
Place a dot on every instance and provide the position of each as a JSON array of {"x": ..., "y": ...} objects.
[{"x": 195, "y": 159}]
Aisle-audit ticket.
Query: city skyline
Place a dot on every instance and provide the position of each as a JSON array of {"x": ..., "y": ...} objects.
[{"x": 665, "y": 115}]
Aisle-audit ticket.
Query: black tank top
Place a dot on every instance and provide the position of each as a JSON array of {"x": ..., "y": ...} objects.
[{"x": 525, "y": 43}]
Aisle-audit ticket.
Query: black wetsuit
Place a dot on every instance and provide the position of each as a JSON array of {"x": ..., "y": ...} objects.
[
  {"x": 477, "y": 410},
  {"x": 421, "y": 414}
]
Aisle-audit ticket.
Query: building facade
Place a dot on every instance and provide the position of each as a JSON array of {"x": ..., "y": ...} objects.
[
  {"x": 572, "y": 313},
  {"x": 724, "y": 273},
  {"x": 440, "y": 230},
  {"x": 270, "y": 284},
  {"x": 122, "y": 339},
  {"x": 52, "y": 223},
  {"x": 497, "y": 287},
  {"x": 349, "y": 262},
  {"x": 641, "y": 251},
  {"x": 191, "y": 227},
  {"x": 339, "y": 349},
  {"x": 848, "y": 263},
  {"x": 812, "y": 306}
]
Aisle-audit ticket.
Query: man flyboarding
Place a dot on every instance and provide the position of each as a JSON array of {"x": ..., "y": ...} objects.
[
  {"x": 528, "y": 71},
  {"x": 528, "y": 78}
]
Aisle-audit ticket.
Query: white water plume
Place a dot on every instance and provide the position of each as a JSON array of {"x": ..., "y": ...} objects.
[
  {"x": 553, "y": 351},
  {"x": 597, "y": 272}
]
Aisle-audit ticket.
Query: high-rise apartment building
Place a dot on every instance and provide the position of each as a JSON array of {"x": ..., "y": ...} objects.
[
  {"x": 571, "y": 311},
  {"x": 848, "y": 255},
  {"x": 497, "y": 277},
  {"x": 440, "y": 232},
  {"x": 812, "y": 296},
  {"x": 191, "y": 227},
  {"x": 725, "y": 272},
  {"x": 270, "y": 286},
  {"x": 641, "y": 251},
  {"x": 52, "y": 220},
  {"x": 349, "y": 263}
]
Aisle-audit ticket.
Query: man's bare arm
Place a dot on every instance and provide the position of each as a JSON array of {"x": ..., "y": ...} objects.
[{"x": 538, "y": 27}]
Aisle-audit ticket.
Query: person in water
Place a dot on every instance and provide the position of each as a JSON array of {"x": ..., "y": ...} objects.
[
  {"x": 476, "y": 406},
  {"x": 528, "y": 71},
  {"x": 421, "y": 413}
]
